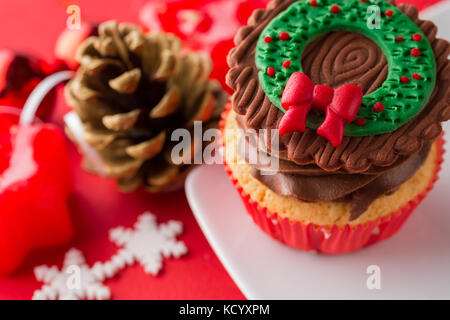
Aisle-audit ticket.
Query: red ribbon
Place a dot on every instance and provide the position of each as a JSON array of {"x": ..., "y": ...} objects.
[{"x": 301, "y": 95}]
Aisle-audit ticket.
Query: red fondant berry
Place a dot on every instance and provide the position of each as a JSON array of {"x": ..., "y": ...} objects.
[
  {"x": 363, "y": 0},
  {"x": 270, "y": 71},
  {"x": 335, "y": 9},
  {"x": 287, "y": 64},
  {"x": 313, "y": 3},
  {"x": 284, "y": 36},
  {"x": 399, "y": 39},
  {"x": 416, "y": 76},
  {"x": 268, "y": 39},
  {"x": 415, "y": 52},
  {"x": 404, "y": 79},
  {"x": 417, "y": 37},
  {"x": 378, "y": 107},
  {"x": 360, "y": 122},
  {"x": 389, "y": 13}
]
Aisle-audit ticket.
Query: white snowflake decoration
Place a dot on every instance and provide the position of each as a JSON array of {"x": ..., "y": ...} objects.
[
  {"x": 74, "y": 281},
  {"x": 148, "y": 243}
]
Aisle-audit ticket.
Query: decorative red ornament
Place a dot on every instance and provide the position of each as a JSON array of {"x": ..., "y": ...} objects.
[
  {"x": 287, "y": 64},
  {"x": 360, "y": 122},
  {"x": 389, "y": 13},
  {"x": 378, "y": 107},
  {"x": 313, "y": 3},
  {"x": 417, "y": 37},
  {"x": 268, "y": 39},
  {"x": 301, "y": 95},
  {"x": 19, "y": 75},
  {"x": 270, "y": 71},
  {"x": 284, "y": 36},
  {"x": 34, "y": 187},
  {"x": 203, "y": 25},
  {"x": 415, "y": 52},
  {"x": 416, "y": 76},
  {"x": 34, "y": 181},
  {"x": 399, "y": 39},
  {"x": 404, "y": 79},
  {"x": 335, "y": 9}
]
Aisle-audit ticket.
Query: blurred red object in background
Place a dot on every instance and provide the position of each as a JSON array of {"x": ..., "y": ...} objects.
[
  {"x": 202, "y": 24},
  {"x": 19, "y": 75},
  {"x": 35, "y": 184},
  {"x": 67, "y": 45}
]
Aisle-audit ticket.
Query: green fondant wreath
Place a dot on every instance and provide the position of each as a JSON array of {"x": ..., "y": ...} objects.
[{"x": 412, "y": 69}]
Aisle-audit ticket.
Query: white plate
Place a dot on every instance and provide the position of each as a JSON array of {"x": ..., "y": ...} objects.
[{"x": 414, "y": 264}]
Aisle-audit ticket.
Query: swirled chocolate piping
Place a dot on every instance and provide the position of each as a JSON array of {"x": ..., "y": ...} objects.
[
  {"x": 341, "y": 57},
  {"x": 356, "y": 154}
]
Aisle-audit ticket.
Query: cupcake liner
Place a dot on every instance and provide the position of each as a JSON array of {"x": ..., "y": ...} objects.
[{"x": 335, "y": 240}]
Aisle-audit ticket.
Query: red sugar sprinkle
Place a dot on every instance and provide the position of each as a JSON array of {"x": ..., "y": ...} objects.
[
  {"x": 313, "y": 3},
  {"x": 415, "y": 52},
  {"x": 389, "y": 13},
  {"x": 378, "y": 107},
  {"x": 287, "y": 64},
  {"x": 417, "y": 37},
  {"x": 270, "y": 72},
  {"x": 404, "y": 79},
  {"x": 268, "y": 39},
  {"x": 360, "y": 122},
  {"x": 335, "y": 9},
  {"x": 399, "y": 39},
  {"x": 416, "y": 76},
  {"x": 284, "y": 36}
]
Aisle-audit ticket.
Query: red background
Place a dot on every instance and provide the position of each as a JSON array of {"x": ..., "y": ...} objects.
[{"x": 33, "y": 26}]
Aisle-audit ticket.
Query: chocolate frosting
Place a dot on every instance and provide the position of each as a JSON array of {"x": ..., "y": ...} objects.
[
  {"x": 310, "y": 183},
  {"x": 360, "y": 189},
  {"x": 335, "y": 60}
]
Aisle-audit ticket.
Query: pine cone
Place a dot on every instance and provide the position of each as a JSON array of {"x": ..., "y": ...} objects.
[{"x": 130, "y": 92}]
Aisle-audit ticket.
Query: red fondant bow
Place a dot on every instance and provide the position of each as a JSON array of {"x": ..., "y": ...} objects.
[{"x": 301, "y": 95}]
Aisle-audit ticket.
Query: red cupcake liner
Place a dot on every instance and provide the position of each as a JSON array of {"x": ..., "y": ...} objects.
[{"x": 335, "y": 240}]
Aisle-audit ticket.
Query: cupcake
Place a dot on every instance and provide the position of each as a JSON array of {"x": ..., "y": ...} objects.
[{"x": 333, "y": 135}]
